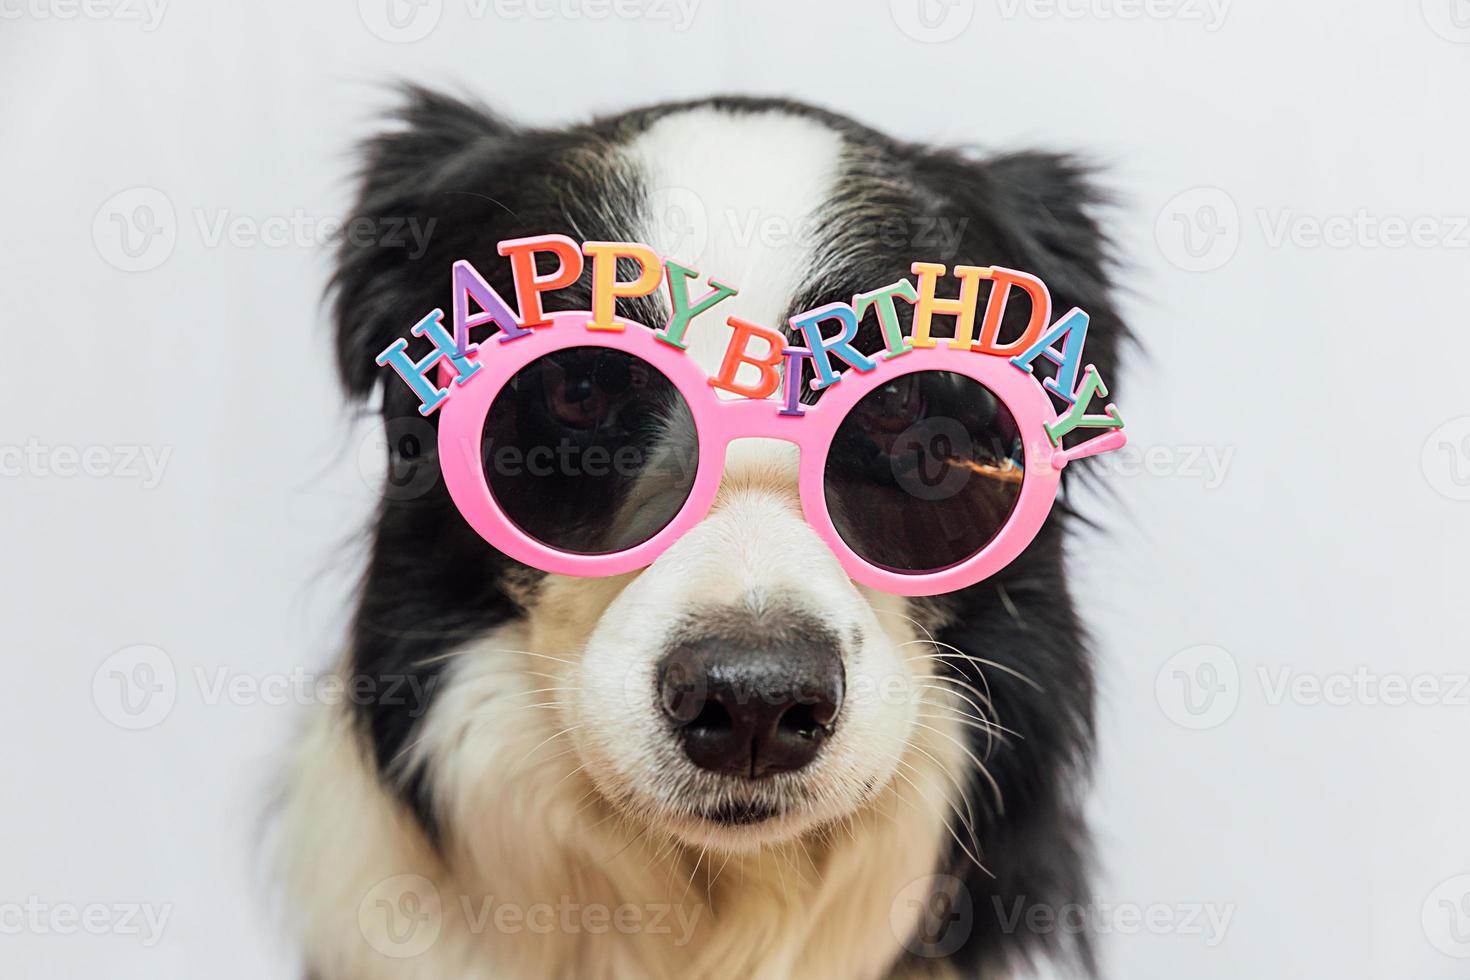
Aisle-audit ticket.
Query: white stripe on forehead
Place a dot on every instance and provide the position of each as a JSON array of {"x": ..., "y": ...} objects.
[{"x": 736, "y": 196}]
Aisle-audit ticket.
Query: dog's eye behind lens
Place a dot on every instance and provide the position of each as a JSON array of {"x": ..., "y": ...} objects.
[
  {"x": 924, "y": 471},
  {"x": 590, "y": 450}
]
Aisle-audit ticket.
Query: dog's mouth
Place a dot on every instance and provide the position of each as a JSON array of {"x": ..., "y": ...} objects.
[{"x": 741, "y": 813}]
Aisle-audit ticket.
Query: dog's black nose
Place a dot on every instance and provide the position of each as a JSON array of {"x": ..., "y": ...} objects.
[{"x": 752, "y": 709}]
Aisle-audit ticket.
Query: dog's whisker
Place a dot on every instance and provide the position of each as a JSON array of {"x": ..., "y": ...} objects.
[
  {"x": 995, "y": 787},
  {"x": 709, "y": 890},
  {"x": 981, "y": 711},
  {"x": 597, "y": 798},
  {"x": 904, "y": 766},
  {"x": 540, "y": 690},
  {"x": 947, "y": 662},
  {"x": 958, "y": 654},
  {"x": 990, "y": 734},
  {"x": 947, "y": 702},
  {"x": 631, "y": 841},
  {"x": 984, "y": 696},
  {"x": 978, "y": 719},
  {"x": 947, "y": 826},
  {"x": 968, "y": 853},
  {"x": 959, "y": 791},
  {"x": 569, "y": 775},
  {"x": 920, "y": 626},
  {"x": 544, "y": 741},
  {"x": 685, "y": 894},
  {"x": 1005, "y": 600},
  {"x": 533, "y": 653}
]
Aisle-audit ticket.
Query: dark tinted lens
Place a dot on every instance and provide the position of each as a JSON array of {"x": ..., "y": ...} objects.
[
  {"x": 924, "y": 471},
  {"x": 590, "y": 450}
]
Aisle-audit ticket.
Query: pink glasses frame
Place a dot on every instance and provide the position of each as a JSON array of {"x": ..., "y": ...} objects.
[{"x": 719, "y": 421}]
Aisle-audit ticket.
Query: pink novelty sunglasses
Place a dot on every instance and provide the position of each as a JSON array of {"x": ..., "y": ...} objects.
[{"x": 589, "y": 453}]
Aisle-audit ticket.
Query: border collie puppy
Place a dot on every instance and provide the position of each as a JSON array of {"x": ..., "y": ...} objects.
[{"x": 505, "y": 792}]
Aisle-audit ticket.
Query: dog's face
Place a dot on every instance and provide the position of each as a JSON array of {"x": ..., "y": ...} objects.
[{"x": 741, "y": 691}]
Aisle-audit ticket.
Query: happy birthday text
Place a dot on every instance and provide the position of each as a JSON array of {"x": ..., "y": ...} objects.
[{"x": 778, "y": 366}]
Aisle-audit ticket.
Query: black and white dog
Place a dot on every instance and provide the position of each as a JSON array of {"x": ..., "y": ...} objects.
[{"x": 504, "y": 795}]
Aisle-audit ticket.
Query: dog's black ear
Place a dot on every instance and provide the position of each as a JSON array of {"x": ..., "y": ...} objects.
[
  {"x": 1041, "y": 209},
  {"x": 414, "y": 178},
  {"x": 1056, "y": 225}
]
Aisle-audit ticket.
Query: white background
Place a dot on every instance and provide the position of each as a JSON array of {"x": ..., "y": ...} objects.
[{"x": 1324, "y": 374}]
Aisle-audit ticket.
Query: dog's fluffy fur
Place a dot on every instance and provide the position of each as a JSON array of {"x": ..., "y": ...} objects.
[{"x": 503, "y": 749}]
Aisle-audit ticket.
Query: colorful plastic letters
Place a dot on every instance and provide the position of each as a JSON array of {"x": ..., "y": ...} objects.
[
  {"x": 737, "y": 354},
  {"x": 779, "y": 366},
  {"x": 682, "y": 313},
  {"x": 529, "y": 284},
  {"x": 809, "y": 323},
  {"x": 607, "y": 287},
  {"x": 414, "y": 372}
]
